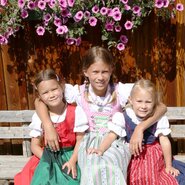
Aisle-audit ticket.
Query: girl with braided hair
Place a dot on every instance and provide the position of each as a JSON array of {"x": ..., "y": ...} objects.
[{"x": 103, "y": 154}]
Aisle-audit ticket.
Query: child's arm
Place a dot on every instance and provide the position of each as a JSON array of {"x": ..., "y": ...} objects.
[
  {"x": 71, "y": 164},
  {"x": 166, "y": 148},
  {"x": 137, "y": 136},
  {"x": 51, "y": 136},
  {"x": 36, "y": 146},
  {"x": 106, "y": 143}
]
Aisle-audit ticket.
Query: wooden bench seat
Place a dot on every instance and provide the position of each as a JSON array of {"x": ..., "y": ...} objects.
[{"x": 11, "y": 164}]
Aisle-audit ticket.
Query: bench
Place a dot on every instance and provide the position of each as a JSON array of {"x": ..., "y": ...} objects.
[{"x": 11, "y": 164}]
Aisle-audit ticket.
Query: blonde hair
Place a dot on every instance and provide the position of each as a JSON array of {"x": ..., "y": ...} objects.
[{"x": 149, "y": 86}]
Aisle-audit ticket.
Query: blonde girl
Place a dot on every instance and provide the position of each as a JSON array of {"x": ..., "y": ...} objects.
[{"x": 154, "y": 164}]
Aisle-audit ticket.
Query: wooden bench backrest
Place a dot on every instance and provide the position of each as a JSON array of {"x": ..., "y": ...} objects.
[
  {"x": 176, "y": 114},
  {"x": 24, "y": 117},
  {"x": 17, "y": 116},
  {"x": 17, "y": 132}
]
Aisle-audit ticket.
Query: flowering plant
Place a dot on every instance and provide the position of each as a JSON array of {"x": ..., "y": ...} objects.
[{"x": 70, "y": 18}]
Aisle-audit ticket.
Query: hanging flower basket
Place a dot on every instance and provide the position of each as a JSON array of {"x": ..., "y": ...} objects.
[{"x": 69, "y": 18}]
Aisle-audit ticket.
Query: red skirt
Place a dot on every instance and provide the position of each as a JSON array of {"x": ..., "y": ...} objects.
[
  {"x": 149, "y": 168},
  {"x": 25, "y": 176}
]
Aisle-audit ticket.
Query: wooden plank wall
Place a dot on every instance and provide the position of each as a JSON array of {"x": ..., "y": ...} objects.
[{"x": 154, "y": 51}]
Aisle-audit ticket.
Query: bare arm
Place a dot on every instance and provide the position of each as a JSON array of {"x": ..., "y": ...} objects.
[
  {"x": 71, "y": 164},
  {"x": 37, "y": 146},
  {"x": 106, "y": 143},
  {"x": 51, "y": 136},
  {"x": 167, "y": 152},
  {"x": 137, "y": 136}
]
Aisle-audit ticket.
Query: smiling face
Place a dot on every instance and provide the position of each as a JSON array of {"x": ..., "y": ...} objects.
[
  {"x": 142, "y": 101},
  {"x": 51, "y": 93},
  {"x": 99, "y": 74}
]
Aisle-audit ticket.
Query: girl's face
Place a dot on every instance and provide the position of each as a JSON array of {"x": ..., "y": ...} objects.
[
  {"x": 50, "y": 92},
  {"x": 99, "y": 74},
  {"x": 142, "y": 102}
]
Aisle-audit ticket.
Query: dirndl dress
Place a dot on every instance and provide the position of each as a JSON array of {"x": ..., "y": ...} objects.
[
  {"x": 111, "y": 167},
  {"x": 25, "y": 176},
  {"x": 49, "y": 169},
  {"x": 149, "y": 167}
]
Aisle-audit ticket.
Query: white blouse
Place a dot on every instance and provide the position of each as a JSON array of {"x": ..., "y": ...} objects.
[
  {"x": 36, "y": 124},
  {"x": 162, "y": 124},
  {"x": 81, "y": 122},
  {"x": 72, "y": 93}
]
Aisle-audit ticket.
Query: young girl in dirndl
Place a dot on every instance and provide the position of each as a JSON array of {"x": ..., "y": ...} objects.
[
  {"x": 53, "y": 167},
  {"x": 154, "y": 165}
]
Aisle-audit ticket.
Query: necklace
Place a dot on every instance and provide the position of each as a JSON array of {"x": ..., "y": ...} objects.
[
  {"x": 60, "y": 115},
  {"x": 100, "y": 102}
]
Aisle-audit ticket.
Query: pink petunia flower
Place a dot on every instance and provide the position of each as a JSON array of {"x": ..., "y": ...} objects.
[
  {"x": 118, "y": 28},
  {"x": 24, "y": 13},
  {"x": 179, "y": 7},
  {"x": 128, "y": 25},
  {"x": 159, "y": 3},
  {"x": 78, "y": 41},
  {"x": 41, "y": 4},
  {"x": 127, "y": 7},
  {"x": 40, "y": 30},
  {"x": 116, "y": 14},
  {"x": 124, "y": 1},
  {"x": 65, "y": 13},
  {"x": 47, "y": 17},
  {"x": 87, "y": 14},
  {"x": 70, "y": 3},
  {"x": 95, "y": 9},
  {"x": 21, "y": 3},
  {"x": 166, "y": 3},
  {"x": 78, "y": 16},
  {"x": 103, "y": 10},
  {"x": 70, "y": 41},
  {"x": 63, "y": 3},
  {"x": 62, "y": 30},
  {"x": 109, "y": 26},
  {"x": 120, "y": 46},
  {"x": 52, "y": 3},
  {"x": 92, "y": 21},
  {"x": 136, "y": 9},
  {"x": 3, "y": 2},
  {"x": 31, "y": 5},
  {"x": 57, "y": 21},
  {"x": 123, "y": 39},
  {"x": 3, "y": 40}
]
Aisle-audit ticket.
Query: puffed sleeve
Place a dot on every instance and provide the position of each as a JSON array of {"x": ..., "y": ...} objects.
[
  {"x": 81, "y": 121},
  {"x": 69, "y": 93},
  {"x": 35, "y": 126},
  {"x": 163, "y": 127},
  {"x": 123, "y": 91},
  {"x": 72, "y": 94},
  {"x": 117, "y": 124}
]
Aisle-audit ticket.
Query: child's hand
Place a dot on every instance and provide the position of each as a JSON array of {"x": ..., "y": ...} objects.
[
  {"x": 51, "y": 138},
  {"x": 136, "y": 141},
  {"x": 94, "y": 150},
  {"x": 173, "y": 171},
  {"x": 70, "y": 167}
]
